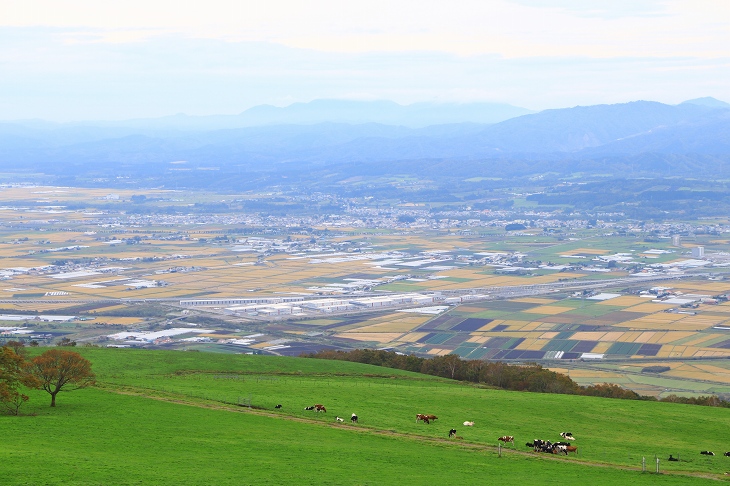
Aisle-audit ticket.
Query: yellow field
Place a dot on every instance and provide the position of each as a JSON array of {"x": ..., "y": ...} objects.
[
  {"x": 534, "y": 300},
  {"x": 549, "y": 310},
  {"x": 379, "y": 337},
  {"x": 398, "y": 325},
  {"x": 649, "y": 307},
  {"x": 125, "y": 321},
  {"x": 591, "y": 251},
  {"x": 624, "y": 301},
  {"x": 412, "y": 337}
]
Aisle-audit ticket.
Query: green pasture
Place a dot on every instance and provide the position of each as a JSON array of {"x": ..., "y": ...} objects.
[{"x": 129, "y": 431}]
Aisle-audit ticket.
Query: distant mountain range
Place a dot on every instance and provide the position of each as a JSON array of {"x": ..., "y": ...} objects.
[
  {"x": 417, "y": 115},
  {"x": 382, "y": 136}
]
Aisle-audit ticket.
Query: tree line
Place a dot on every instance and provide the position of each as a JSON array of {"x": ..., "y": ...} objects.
[
  {"x": 52, "y": 371},
  {"x": 524, "y": 377}
]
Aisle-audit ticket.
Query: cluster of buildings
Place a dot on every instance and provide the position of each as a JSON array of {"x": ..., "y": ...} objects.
[{"x": 343, "y": 305}]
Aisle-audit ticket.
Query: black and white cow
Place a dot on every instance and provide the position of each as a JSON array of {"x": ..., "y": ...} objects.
[
  {"x": 560, "y": 449},
  {"x": 353, "y": 419},
  {"x": 707, "y": 453},
  {"x": 567, "y": 435},
  {"x": 452, "y": 433},
  {"x": 278, "y": 406}
]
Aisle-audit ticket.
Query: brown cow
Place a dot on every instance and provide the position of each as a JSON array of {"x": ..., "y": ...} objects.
[
  {"x": 420, "y": 416},
  {"x": 571, "y": 449},
  {"x": 506, "y": 439},
  {"x": 320, "y": 408}
]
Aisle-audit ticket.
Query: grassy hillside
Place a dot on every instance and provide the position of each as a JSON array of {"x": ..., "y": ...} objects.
[{"x": 165, "y": 417}]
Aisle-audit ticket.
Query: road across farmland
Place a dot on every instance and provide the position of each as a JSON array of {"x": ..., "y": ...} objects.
[{"x": 535, "y": 289}]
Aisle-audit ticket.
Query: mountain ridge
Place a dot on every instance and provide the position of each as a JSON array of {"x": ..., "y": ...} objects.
[{"x": 578, "y": 135}]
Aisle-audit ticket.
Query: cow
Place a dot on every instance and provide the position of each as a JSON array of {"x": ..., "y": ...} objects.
[
  {"x": 727, "y": 454},
  {"x": 567, "y": 435},
  {"x": 339, "y": 419},
  {"x": 420, "y": 416},
  {"x": 707, "y": 453},
  {"x": 309, "y": 408},
  {"x": 672, "y": 458},
  {"x": 529, "y": 444},
  {"x": 320, "y": 408},
  {"x": 353, "y": 419},
  {"x": 431, "y": 417},
  {"x": 560, "y": 449},
  {"x": 571, "y": 448},
  {"x": 452, "y": 433},
  {"x": 506, "y": 439},
  {"x": 542, "y": 445},
  {"x": 562, "y": 443},
  {"x": 468, "y": 424},
  {"x": 278, "y": 406}
]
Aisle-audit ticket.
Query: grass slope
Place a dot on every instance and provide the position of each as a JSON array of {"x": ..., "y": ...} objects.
[{"x": 159, "y": 417}]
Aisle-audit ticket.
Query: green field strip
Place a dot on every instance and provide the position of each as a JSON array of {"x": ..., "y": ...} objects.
[
  {"x": 463, "y": 351},
  {"x": 526, "y": 316},
  {"x": 564, "y": 335},
  {"x": 478, "y": 353},
  {"x": 710, "y": 342},
  {"x": 439, "y": 338},
  {"x": 489, "y": 314},
  {"x": 559, "y": 345},
  {"x": 628, "y": 349},
  {"x": 509, "y": 344},
  {"x": 564, "y": 328},
  {"x": 672, "y": 384},
  {"x": 511, "y": 306},
  {"x": 593, "y": 310},
  {"x": 570, "y": 302},
  {"x": 683, "y": 340}
]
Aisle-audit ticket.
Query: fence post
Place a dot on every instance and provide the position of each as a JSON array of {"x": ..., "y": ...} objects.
[
  {"x": 643, "y": 464},
  {"x": 499, "y": 449},
  {"x": 657, "y": 465}
]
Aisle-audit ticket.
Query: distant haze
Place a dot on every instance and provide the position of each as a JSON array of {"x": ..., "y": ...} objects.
[
  {"x": 416, "y": 115},
  {"x": 346, "y": 138},
  {"x": 84, "y": 60}
]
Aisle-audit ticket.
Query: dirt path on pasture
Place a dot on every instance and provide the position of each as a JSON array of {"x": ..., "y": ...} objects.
[{"x": 215, "y": 405}]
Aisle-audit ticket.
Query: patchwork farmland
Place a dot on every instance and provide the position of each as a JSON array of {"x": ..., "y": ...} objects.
[{"x": 599, "y": 306}]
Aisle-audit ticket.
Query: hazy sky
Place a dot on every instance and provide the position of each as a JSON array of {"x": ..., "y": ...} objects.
[{"x": 96, "y": 59}]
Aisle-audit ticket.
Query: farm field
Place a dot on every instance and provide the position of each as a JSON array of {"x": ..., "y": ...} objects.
[
  {"x": 172, "y": 416},
  {"x": 100, "y": 258},
  {"x": 187, "y": 259}
]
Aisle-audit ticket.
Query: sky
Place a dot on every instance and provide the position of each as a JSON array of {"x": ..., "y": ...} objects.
[{"x": 67, "y": 60}]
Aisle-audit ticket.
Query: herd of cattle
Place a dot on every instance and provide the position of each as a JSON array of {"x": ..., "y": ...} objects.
[{"x": 538, "y": 445}]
